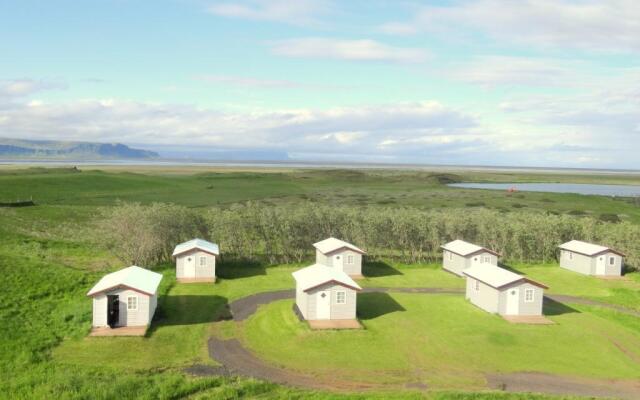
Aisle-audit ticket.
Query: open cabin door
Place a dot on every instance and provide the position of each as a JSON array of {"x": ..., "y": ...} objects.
[{"x": 113, "y": 310}]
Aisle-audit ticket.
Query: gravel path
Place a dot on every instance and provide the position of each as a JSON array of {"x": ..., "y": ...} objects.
[
  {"x": 560, "y": 385},
  {"x": 243, "y": 308},
  {"x": 239, "y": 361},
  {"x": 561, "y": 298}
]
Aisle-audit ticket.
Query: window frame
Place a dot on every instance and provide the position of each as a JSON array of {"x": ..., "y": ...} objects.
[
  {"x": 486, "y": 259},
  {"x": 344, "y": 295},
  {"x": 350, "y": 259},
  {"x": 135, "y": 302},
  {"x": 533, "y": 295},
  {"x": 202, "y": 261},
  {"x": 612, "y": 260}
]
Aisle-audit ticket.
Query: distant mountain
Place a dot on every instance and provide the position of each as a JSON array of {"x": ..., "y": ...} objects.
[
  {"x": 211, "y": 153},
  {"x": 53, "y": 149}
]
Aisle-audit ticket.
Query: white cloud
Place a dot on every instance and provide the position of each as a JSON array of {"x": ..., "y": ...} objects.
[
  {"x": 538, "y": 130},
  {"x": 337, "y": 137},
  {"x": 588, "y": 127},
  {"x": 249, "y": 82},
  {"x": 358, "y": 129},
  {"x": 398, "y": 28},
  {"x": 298, "y": 12},
  {"x": 352, "y": 50},
  {"x": 612, "y": 25},
  {"x": 16, "y": 88},
  {"x": 490, "y": 71},
  {"x": 260, "y": 83}
]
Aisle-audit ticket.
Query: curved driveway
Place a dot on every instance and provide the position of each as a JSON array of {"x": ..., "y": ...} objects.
[{"x": 238, "y": 360}]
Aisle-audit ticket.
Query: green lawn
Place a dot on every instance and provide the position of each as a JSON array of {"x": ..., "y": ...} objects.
[
  {"x": 624, "y": 292},
  {"x": 443, "y": 341},
  {"x": 412, "y": 330},
  {"x": 383, "y": 274},
  {"x": 49, "y": 262}
]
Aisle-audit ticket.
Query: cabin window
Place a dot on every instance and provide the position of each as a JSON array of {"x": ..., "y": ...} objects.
[
  {"x": 350, "y": 259},
  {"x": 132, "y": 303},
  {"x": 529, "y": 295},
  {"x": 341, "y": 297},
  {"x": 612, "y": 260},
  {"x": 570, "y": 255},
  {"x": 203, "y": 261},
  {"x": 487, "y": 259},
  {"x": 477, "y": 285}
]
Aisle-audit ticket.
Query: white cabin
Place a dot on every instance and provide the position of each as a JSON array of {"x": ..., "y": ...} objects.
[
  {"x": 325, "y": 293},
  {"x": 499, "y": 291},
  {"x": 196, "y": 261},
  {"x": 341, "y": 255},
  {"x": 459, "y": 255},
  {"x": 591, "y": 259},
  {"x": 125, "y": 298}
]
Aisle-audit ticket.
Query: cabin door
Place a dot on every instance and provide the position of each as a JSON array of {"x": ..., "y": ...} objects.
[
  {"x": 513, "y": 301},
  {"x": 338, "y": 262},
  {"x": 600, "y": 265},
  {"x": 113, "y": 310},
  {"x": 323, "y": 305},
  {"x": 190, "y": 266}
]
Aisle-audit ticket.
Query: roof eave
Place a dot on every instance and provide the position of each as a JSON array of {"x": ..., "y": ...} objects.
[
  {"x": 607, "y": 250},
  {"x": 174, "y": 255},
  {"x": 473, "y": 252},
  {"x": 357, "y": 250},
  {"x": 89, "y": 294},
  {"x": 332, "y": 281}
]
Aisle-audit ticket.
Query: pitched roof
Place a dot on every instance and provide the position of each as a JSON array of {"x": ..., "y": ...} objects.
[
  {"x": 196, "y": 244},
  {"x": 136, "y": 278},
  {"x": 588, "y": 249},
  {"x": 497, "y": 277},
  {"x": 464, "y": 249},
  {"x": 332, "y": 244},
  {"x": 317, "y": 275}
]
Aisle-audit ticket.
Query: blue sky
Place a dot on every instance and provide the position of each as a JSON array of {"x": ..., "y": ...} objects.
[{"x": 493, "y": 82}]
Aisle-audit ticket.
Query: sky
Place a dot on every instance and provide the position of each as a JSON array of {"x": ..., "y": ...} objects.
[{"x": 467, "y": 82}]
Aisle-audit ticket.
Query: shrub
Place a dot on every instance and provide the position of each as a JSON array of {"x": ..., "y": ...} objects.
[
  {"x": 145, "y": 235},
  {"x": 257, "y": 231},
  {"x": 609, "y": 218}
]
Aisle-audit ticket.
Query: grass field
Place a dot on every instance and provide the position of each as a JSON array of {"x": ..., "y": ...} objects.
[
  {"x": 450, "y": 329},
  {"x": 419, "y": 189},
  {"x": 49, "y": 263},
  {"x": 443, "y": 341}
]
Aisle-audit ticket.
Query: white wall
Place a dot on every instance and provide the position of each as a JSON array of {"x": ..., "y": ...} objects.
[
  {"x": 206, "y": 271},
  {"x": 524, "y": 307},
  {"x": 453, "y": 262},
  {"x": 140, "y": 317},
  {"x": 338, "y": 311},
  {"x": 486, "y": 297},
  {"x": 577, "y": 262}
]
